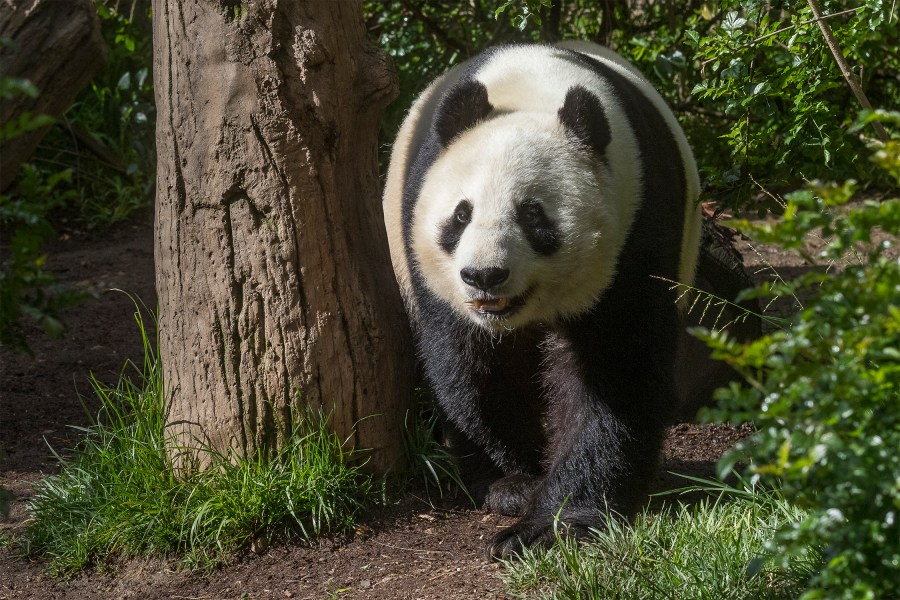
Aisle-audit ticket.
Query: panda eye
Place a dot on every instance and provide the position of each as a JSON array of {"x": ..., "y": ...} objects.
[
  {"x": 531, "y": 214},
  {"x": 541, "y": 232},
  {"x": 463, "y": 212}
]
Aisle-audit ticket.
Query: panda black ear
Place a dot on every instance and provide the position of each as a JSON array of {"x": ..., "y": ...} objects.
[
  {"x": 464, "y": 105},
  {"x": 584, "y": 117}
]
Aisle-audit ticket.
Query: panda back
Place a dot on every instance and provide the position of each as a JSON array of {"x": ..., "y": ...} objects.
[
  {"x": 410, "y": 138},
  {"x": 690, "y": 241}
]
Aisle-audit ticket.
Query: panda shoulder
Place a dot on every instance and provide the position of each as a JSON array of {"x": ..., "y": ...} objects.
[{"x": 409, "y": 140}]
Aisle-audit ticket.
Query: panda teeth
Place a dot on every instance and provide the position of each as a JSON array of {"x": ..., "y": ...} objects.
[{"x": 490, "y": 305}]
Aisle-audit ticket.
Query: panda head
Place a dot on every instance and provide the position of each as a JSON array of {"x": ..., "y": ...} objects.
[{"x": 511, "y": 226}]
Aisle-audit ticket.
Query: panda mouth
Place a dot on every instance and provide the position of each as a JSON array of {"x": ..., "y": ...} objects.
[
  {"x": 494, "y": 307},
  {"x": 491, "y": 306}
]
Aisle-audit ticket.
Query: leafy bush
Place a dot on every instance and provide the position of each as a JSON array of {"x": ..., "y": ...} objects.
[
  {"x": 11, "y": 87},
  {"x": 767, "y": 68},
  {"x": 120, "y": 495},
  {"x": 26, "y": 289},
  {"x": 98, "y": 162},
  {"x": 825, "y": 391},
  {"x": 107, "y": 137}
]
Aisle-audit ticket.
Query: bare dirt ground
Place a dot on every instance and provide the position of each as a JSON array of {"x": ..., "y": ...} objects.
[{"x": 410, "y": 549}]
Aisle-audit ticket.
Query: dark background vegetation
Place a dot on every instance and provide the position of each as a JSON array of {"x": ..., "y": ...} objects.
[
  {"x": 766, "y": 107},
  {"x": 753, "y": 82}
]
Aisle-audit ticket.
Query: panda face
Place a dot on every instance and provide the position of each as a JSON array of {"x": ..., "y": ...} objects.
[{"x": 511, "y": 227}]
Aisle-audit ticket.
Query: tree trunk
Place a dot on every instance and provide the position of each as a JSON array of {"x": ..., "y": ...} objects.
[
  {"x": 57, "y": 46},
  {"x": 274, "y": 280}
]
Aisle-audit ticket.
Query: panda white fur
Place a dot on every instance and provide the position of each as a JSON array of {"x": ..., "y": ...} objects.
[{"x": 535, "y": 196}]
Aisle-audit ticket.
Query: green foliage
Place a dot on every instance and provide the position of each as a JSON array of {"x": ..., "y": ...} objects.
[
  {"x": 107, "y": 136},
  {"x": 523, "y": 12},
  {"x": 696, "y": 551},
  {"x": 98, "y": 162},
  {"x": 825, "y": 391},
  {"x": 120, "y": 494},
  {"x": 767, "y": 69},
  {"x": 758, "y": 76},
  {"x": 26, "y": 289},
  {"x": 13, "y": 86}
]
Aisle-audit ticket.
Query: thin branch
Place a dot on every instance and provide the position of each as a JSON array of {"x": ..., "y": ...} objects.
[
  {"x": 807, "y": 22},
  {"x": 777, "y": 199},
  {"x": 422, "y": 553},
  {"x": 97, "y": 148},
  {"x": 855, "y": 87},
  {"x": 755, "y": 41}
]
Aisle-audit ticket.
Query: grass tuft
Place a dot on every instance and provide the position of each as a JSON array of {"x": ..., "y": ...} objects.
[
  {"x": 431, "y": 462},
  {"x": 713, "y": 550},
  {"x": 118, "y": 496}
]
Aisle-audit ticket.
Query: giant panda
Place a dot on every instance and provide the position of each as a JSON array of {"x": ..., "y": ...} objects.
[{"x": 538, "y": 203}]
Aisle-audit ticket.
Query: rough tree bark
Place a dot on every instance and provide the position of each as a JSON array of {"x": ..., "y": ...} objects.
[
  {"x": 58, "y": 47},
  {"x": 272, "y": 264}
]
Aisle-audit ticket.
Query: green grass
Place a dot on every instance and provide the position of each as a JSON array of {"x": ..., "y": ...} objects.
[
  {"x": 118, "y": 495},
  {"x": 430, "y": 462},
  {"x": 712, "y": 550}
]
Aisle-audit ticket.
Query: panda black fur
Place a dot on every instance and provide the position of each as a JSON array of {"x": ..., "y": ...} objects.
[{"x": 535, "y": 196}]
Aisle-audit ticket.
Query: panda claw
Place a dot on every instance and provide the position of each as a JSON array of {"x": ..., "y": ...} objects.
[{"x": 512, "y": 542}]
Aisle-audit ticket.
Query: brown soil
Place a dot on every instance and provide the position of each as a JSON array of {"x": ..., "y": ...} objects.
[{"x": 408, "y": 550}]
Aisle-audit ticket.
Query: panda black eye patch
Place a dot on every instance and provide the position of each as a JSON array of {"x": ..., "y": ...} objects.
[
  {"x": 539, "y": 230},
  {"x": 452, "y": 229}
]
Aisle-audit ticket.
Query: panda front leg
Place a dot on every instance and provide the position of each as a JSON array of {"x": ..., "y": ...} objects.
[
  {"x": 610, "y": 406},
  {"x": 504, "y": 490},
  {"x": 491, "y": 402}
]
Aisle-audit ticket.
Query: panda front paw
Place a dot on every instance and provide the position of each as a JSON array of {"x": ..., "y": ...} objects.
[
  {"x": 509, "y": 495},
  {"x": 537, "y": 532},
  {"x": 512, "y": 541}
]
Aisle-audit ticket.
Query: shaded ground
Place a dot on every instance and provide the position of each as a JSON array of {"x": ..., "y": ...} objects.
[{"x": 408, "y": 550}]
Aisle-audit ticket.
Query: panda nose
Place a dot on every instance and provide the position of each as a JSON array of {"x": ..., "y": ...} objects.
[{"x": 484, "y": 279}]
